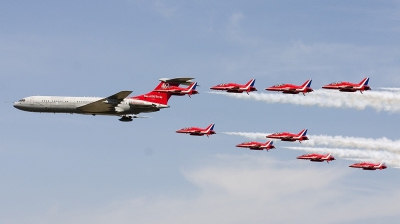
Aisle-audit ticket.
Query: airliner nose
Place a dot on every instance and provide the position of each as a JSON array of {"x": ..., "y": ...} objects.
[{"x": 17, "y": 105}]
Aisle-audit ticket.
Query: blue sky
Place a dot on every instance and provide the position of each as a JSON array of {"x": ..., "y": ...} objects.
[{"x": 83, "y": 169}]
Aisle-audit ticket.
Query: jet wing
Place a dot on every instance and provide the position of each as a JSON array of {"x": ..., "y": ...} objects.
[
  {"x": 347, "y": 87},
  {"x": 106, "y": 104}
]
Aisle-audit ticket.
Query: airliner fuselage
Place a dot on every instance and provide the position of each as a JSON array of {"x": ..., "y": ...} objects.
[{"x": 60, "y": 104}]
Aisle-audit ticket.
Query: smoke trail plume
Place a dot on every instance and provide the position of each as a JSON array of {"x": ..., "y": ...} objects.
[
  {"x": 356, "y": 154},
  {"x": 337, "y": 141},
  {"x": 378, "y": 100},
  {"x": 354, "y": 142},
  {"x": 388, "y": 88}
]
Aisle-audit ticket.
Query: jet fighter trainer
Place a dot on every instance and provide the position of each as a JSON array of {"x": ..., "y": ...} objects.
[
  {"x": 198, "y": 131},
  {"x": 292, "y": 89},
  {"x": 290, "y": 137},
  {"x": 369, "y": 166},
  {"x": 257, "y": 145},
  {"x": 317, "y": 157},
  {"x": 349, "y": 87},
  {"x": 236, "y": 88}
]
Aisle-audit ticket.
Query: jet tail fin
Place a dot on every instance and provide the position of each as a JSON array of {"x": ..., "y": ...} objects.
[
  {"x": 306, "y": 84},
  {"x": 364, "y": 82},
  {"x": 250, "y": 83},
  {"x": 191, "y": 87},
  {"x": 302, "y": 133},
  {"x": 210, "y": 127}
]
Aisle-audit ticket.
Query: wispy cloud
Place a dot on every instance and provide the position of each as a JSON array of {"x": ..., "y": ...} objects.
[{"x": 247, "y": 189}]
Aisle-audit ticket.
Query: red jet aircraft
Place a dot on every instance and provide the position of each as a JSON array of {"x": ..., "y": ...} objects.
[
  {"x": 178, "y": 91},
  {"x": 236, "y": 88},
  {"x": 317, "y": 157},
  {"x": 290, "y": 137},
  {"x": 349, "y": 87},
  {"x": 257, "y": 145},
  {"x": 369, "y": 166},
  {"x": 198, "y": 131},
  {"x": 292, "y": 89}
]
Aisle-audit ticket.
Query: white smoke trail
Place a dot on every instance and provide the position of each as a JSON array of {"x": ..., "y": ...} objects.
[
  {"x": 337, "y": 141},
  {"x": 355, "y": 154},
  {"x": 388, "y": 88},
  {"x": 354, "y": 142},
  {"x": 249, "y": 135},
  {"x": 378, "y": 100}
]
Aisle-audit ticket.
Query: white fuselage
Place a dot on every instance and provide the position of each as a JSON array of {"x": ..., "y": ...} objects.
[{"x": 61, "y": 104}]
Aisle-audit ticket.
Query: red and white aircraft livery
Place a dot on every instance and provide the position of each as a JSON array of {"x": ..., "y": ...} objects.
[
  {"x": 292, "y": 89},
  {"x": 236, "y": 88},
  {"x": 198, "y": 131},
  {"x": 369, "y": 166},
  {"x": 118, "y": 104},
  {"x": 169, "y": 87},
  {"x": 317, "y": 157},
  {"x": 257, "y": 145},
  {"x": 290, "y": 137},
  {"x": 349, "y": 87}
]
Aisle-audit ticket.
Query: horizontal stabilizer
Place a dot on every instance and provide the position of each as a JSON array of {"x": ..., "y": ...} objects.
[{"x": 180, "y": 80}]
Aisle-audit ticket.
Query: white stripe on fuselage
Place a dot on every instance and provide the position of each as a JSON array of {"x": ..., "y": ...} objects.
[{"x": 60, "y": 104}]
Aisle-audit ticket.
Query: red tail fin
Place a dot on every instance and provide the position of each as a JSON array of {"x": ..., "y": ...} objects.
[{"x": 157, "y": 97}]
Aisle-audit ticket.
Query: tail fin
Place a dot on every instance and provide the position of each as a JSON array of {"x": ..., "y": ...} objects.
[
  {"x": 210, "y": 127},
  {"x": 328, "y": 157},
  {"x": 250, "y": 83},
  {"x": 302, "y": 133},
  {"x": 364, "y": 82},
  {"x": 191, "y": 87},
  {"x": 307, "y": 84},
  {"x": 157, "y": 97}
]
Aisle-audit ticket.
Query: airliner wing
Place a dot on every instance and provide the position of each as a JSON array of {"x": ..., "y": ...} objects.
[{"x": 106, "y": 104}]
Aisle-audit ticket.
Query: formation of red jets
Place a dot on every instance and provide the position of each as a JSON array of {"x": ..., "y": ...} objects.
[
  {"x": 294, "y": 89},
  {"x": 174, "y": 89}
]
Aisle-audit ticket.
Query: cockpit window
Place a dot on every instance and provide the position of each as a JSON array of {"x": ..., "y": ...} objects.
[
  {"x": 23, "y": 100},
  {"x": 278, "y": 85}
]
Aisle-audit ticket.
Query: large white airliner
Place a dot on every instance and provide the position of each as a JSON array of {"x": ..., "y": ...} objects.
[{"x": 116, "y": 105}]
